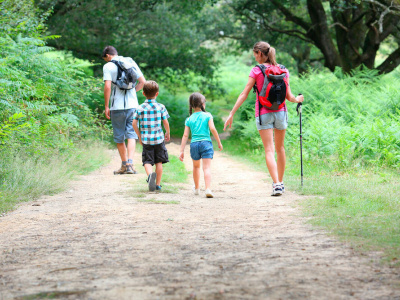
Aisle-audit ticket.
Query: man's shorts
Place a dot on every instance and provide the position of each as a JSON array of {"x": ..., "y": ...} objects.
[
  {"x": 154, "y": 154},
  {"x": 121, "y": 121},
  {"x": 277, "y": 120},
  {"x": 201, "y": 149}
]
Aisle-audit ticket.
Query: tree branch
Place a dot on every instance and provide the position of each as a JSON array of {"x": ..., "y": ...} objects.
[
  {"x": 390, "y": 63},
  {"x": 290, "y": 16}
]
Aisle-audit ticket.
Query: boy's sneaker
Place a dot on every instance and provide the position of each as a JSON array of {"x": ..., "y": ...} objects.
[
  {"x": 276, "y": 189},
  {"x": 196, "y": 191},
  {"x": 158, "y": 188},
  {"x": 209, "y": 194},
  {"x": 121, "y": 170},
  {"x": 152, "y": 181},
  {"x": 130, "y": 170}
]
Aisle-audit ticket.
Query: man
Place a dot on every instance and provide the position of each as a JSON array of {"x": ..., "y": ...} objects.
[{"x": 123, "y": 106}]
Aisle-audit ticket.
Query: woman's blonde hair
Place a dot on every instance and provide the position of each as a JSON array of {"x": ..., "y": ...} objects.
[{"x": 267, "y": 51}]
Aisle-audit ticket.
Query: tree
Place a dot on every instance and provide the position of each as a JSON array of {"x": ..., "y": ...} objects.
[
  {"x": 348, "y": 33},
  {"x": 162, "y": 36}
]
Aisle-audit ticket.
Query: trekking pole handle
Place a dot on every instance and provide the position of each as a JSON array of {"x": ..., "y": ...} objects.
[{"x": 298, "y": 108}]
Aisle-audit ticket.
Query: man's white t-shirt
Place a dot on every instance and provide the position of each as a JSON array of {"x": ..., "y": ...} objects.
[{"x": 118, "y": 99}]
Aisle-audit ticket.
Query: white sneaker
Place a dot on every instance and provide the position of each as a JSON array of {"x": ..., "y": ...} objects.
[
  {"x": 196, "y": 191},
  {"x": 276, "y": 189},
  {"x": 209, "y": 194}
]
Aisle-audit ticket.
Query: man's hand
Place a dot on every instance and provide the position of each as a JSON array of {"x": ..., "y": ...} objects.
[{"x": 107, "y": 112}]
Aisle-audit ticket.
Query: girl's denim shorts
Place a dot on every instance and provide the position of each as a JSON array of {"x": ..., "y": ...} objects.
[
  {"x": 277, "y": 120},
  {"x": 201, "y": 149}
]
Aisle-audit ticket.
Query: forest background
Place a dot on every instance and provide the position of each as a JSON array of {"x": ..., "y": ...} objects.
[{"x": 343, "y": 56}]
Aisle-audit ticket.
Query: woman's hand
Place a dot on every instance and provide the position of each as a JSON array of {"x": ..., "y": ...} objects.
[
  {"x": 229, "y": 121},
  {"x": 299, "y": 98}
]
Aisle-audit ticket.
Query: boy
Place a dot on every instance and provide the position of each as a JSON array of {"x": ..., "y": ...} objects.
[{"x": 151, "y": 114}]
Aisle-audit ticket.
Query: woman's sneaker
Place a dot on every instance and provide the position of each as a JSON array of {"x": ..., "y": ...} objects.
[
  {"x": 283, "y": 187},
  {"x": 196, "y": 191},
  {"x": 209, "y": 194},
  {"x": 276, "y": 189}
]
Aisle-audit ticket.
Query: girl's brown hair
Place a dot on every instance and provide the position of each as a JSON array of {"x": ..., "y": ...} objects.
[
  {"x": 196, "y": 100},
  {"x": 268, "y": 51}
]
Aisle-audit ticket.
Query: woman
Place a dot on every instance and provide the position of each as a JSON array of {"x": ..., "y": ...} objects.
[{"x": 272, "y": 127}]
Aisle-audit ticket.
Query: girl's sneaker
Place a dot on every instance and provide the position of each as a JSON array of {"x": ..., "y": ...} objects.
[
  {"x": 209, "y": 194},
  {"x": 196, "y": 191},
  {"x": 276, "y": 189}
]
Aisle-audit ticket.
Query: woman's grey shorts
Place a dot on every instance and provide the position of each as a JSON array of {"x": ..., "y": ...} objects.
[
  {"x": 121, "y": 121},
  {"x": 277, "y": 120}
]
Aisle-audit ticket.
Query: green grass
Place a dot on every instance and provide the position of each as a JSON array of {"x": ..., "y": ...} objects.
[
  {"x": 360, "y": 206},
  {"x": 25, "y": 178},
  {"x": 174, "y": 174}
]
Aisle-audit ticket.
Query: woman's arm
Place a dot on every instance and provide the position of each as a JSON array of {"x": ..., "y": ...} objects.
[
  {"x": 183, "y": 144},
  {"x": 215, "y": 133},
  {"x": 242, "y": 97},
  {"x": 292, "y": 98}
]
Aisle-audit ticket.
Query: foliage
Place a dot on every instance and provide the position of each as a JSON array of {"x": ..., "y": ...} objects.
[
  {"x": 344, "y": 33},
  {"x": 163, "y": 37}
]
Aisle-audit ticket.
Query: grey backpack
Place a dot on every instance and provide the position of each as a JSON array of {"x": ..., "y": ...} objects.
[{"x": 127, "y": 73}]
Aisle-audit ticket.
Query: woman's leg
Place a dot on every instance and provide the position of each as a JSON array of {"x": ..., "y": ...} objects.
[
  {"x": 196, "y": 173},
  {"x": 267, "y": 137},
  {"x": 207, "y": 172},
  {"x": 280, "y": 152}
]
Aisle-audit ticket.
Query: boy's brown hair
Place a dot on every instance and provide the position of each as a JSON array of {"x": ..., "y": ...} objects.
[{"x": 150, "y": 89}]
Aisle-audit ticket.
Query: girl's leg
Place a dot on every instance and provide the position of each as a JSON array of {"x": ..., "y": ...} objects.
[
  {"x": 159, "y": 171},
  {"x": 207, "y": 172},
  {"x": 268, "y": 142},
  {"x": 280, "y": 152},
  {"x": 196, "y": 173}
]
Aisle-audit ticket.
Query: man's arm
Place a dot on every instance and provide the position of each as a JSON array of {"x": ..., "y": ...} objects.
[
  {"x": 140, "y": 84},
  {"x": 107, "y": 93}
]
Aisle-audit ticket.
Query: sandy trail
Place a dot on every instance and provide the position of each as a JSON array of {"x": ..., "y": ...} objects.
[{"x": 96, "y": 241}]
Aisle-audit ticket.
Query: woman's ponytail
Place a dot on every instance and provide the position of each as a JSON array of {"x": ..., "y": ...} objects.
[{"x": 268, "y": 51}]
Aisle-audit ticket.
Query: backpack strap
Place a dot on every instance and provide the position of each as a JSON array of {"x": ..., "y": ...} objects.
[
  {"x": 256, "y": 91},
  {"x": 117, "y": 63}
]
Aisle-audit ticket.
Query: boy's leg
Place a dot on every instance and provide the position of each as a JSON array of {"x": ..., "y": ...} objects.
[
  {"x": 148, "y": 168},
  {"x": 159, "y": 171},
  {"x": 196, "y": 173},
  {"x": 207, "y": 172}
]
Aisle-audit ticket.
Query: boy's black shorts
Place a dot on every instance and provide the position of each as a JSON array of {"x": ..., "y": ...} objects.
[{"x": 154, "y": 154}]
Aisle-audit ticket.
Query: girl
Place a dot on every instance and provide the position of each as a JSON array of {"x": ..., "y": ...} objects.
[
  {"x": 272, "y": 127},
  {"x": 199, "y": 124}
]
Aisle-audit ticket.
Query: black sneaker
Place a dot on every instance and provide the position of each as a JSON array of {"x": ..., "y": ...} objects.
[
  {"x": 152, "y": 181},
  {"x": 158, "y": 188},
  {"x": 276, "y": 189}
]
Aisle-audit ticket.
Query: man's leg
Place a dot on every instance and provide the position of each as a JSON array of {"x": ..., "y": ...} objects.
[
  {"x": 131, "y": 149},
  {"x": 122, "y": 151}
]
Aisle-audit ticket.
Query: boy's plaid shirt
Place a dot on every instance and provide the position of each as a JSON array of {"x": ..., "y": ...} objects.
[{"x": 150, "y": 114}]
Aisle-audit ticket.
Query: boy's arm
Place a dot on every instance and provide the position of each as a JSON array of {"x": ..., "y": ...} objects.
[
  {"x": 167, "y": 133},
  {"x": 215, "y": 133},
  {"x": 135, "y": 127},
  {"x": 183, "y": 143}
]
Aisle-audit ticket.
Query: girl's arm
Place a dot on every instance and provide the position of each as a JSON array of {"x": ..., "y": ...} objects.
[
  {"x": 183, "y": 144},
  {"x": 242, "y": 97},
  {"x": 215, "y": 133}
]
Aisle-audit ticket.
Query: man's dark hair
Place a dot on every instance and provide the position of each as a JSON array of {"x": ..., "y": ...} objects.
[
  {"x": 150, "y": 89},
  {"x": 109, "y": 50}
]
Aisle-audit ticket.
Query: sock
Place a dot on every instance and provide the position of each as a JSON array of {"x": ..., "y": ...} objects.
[
  {"x": 130, "y": 161},
  {"x": 124, "y": 163}
]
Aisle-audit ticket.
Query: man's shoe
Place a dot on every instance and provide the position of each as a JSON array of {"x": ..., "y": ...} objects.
[
  {"x": 130, "y": 169},
  {"x": 276, "y": 189},
  {"x": 152, "y": 181},
  {"x": 121, "y": 170},
  {"x": 209, "y": 194}
]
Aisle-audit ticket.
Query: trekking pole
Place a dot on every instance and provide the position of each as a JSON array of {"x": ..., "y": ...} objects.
[{"x": 298, "y": 109}]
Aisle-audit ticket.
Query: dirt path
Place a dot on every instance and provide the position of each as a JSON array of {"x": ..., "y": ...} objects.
[{"x": 95, "y": 241}]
